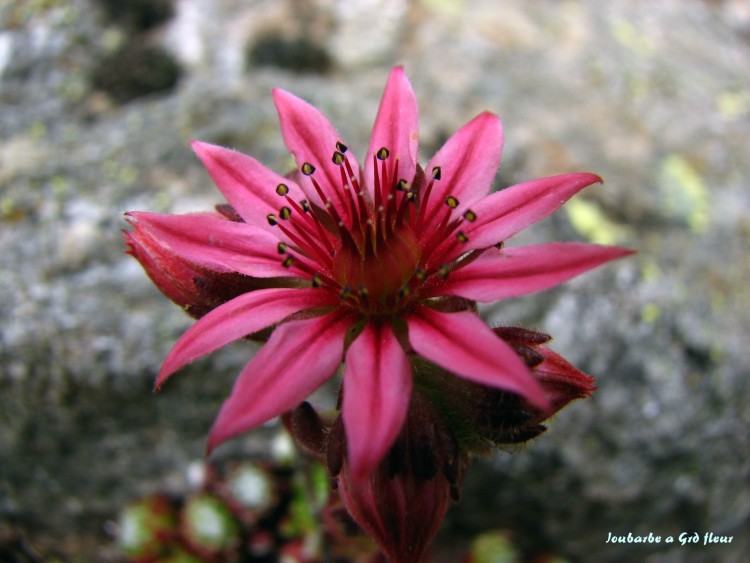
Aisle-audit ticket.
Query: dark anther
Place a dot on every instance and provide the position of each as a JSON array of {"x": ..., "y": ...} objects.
[
  {"x": 305, "y": 206},
  {"x": 443, "y": 271},
  {"x": 282, "y": 189},
  {"x": 420, "y": 274},
  {"x": 461, "y": 236},
  {"x": 338, "y": 158},
  {"x": 307, "y": 169},
  {"x": 272, "y": 220},
  {"x": 451, "y": 202},
  {"x": 436, "y": 172},
  {"x": 411, "y": 195},
  {"x": 470, "y": 216},
  {"x": 383, "y": 153},
  {"x": 285, "y": 213},
  {"x": 363, "y": 291},
  {"x": 288, "y": 261},
  {"x": 281, "y": 247},
  {"x": 404, "y": 292},
  {"x": 341, "y": 147},
  {"x": 500, "y": 245},
  {"x": 317, "y": 281},
  {"x": 345, "y": 291}
]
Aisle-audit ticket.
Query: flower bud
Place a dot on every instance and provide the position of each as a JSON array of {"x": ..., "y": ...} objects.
[
  {"x": 402, "y": 504},
  {"x": 196, "y": 289}
]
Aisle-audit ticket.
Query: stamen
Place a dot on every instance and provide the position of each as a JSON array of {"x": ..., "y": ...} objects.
[
  {"x": 443, "y": 271},
  {"x": 423, "y": 205},
  {"x": 404, "y": 292},
  {"x": 282, "y": 189},
  {"x": 500, "y": 245},
  {"x": 281, "y": 247},
  {"x": 363, "y": 291},
  {"x": 338, "y": 158},
  {"x": 461, "y": 237},
  {"x": 420, "y": 274},
  {"x": 272, "y": 220},
  {"x": 288, "y": 261},
  {"x": 470, "y": 216},
  {"x": 285, "y": 213},
  {"x": 341, "y": 147},
  {"x": 307, "y": 169},
  {"x": 317, "y": 281},
  {"x": 383, "y": 153},
  {"x": 451, "y": 202}
]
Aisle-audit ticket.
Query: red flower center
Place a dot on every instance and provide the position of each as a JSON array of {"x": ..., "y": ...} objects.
[{"x": 376, "y": 249}]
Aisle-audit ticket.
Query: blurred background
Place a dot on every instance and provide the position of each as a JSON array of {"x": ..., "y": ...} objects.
[{"x": 98, "y": 99}]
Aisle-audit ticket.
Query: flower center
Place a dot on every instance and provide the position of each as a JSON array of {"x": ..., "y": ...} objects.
[{"x": 375, "y": 248}]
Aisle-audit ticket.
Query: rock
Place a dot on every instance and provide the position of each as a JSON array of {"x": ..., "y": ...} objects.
[{"x": 646, "y": 95}]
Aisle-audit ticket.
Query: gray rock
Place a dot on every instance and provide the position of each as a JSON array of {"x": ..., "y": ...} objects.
[{"x": 652, "y": 96}]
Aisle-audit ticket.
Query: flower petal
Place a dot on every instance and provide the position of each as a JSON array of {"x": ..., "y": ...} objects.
[
  {"x": 503, "y": 214},
  {"x": 238, "y": 318},
  {"x": 396, "y": 128},
  {"x": 210, "y": 241},
  {"x": 312, "y": 139},
  {"x": 296, "y": 360},
  {"x": 248, "y": 186},
  {"x": 468, "y": 162},
  {"x": 377, "y": 390},
  {"x": 461, "y": 343},
  {"x": 516, "y": 271}
]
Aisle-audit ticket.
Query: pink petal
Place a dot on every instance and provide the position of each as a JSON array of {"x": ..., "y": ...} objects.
[
  {"x": 396, "y": 128},
  {"x": 311, "y": 138},
  {"x": 462, "y": 344},
  {"x": 296, "y": 360},
  {"x": 248, "y": 186},
  {"x": 208, "y": 240},
  {"x": 468, "y": 162},
  {"x": 516, "y": 271},
  {"x": 377, "y": 390},
  {"x": 503, "y": 214},
  {"x": 243, "y": 315}
]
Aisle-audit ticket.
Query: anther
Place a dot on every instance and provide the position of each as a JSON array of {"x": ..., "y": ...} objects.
[
  {"x": 307, "y": 169},
  {"x": 383, "y": 153},
  {"x": 282, "y": 189},
  {"x": 451, "y": 202},
  {"x": 288, "y": 261},
  {"x": 470, "y": 216},
  {"x": 363, "y": 291},
  {"x": 461, "y": 236},
  {"x": 443, "y": 271},
  {"x": 305, "y": 206},
  {"x": 500, "y": 245},
  {"x": 436, "y": 172},
  {"x": 420, "y": 274},
  {"x": 285, "y": 212},
  {"x": 338, "y": 158},
  {"x": 272, "y": 220},
  {"x": 411, "y": 195},
  {"x": 402, "y": 185},
  {"x": 281, "y": 247},
  {"x": 317, "y": 281},
  {"x": 345, "y": 291},
  {"x": 404, "y": 292},
  {"x": 341, "y": 147}
]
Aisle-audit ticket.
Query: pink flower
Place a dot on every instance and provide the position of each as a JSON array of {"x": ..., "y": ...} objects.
[{"x": 369, "y": 266}]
